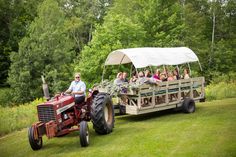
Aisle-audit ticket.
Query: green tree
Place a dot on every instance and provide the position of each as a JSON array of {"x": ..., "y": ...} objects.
[
  {"x": 198, "y": 29},
  {"x": 15, "y": 18},
  {"x": 46, "y": 50},
  {"x": 117, "y": 31},
  {"x": 223, "y": 55},
  {"x": 82, "y": 17}
]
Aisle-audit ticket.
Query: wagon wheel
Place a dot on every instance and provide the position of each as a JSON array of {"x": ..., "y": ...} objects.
[{"x": 188, "y": 105}]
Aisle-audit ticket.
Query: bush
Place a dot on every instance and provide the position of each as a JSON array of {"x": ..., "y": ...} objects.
[
  {"x": 221, "y": 90},
  {"x": 5, "y": 97},
  {"x": 228, "y": 78},
  {"x": 18, "y": 117}
]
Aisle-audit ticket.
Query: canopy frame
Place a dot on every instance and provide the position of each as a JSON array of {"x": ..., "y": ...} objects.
[{"x": 151, "y": 56}]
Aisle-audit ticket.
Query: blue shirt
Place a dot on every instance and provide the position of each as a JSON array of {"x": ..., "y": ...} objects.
[{"x": 76, "y": 86}]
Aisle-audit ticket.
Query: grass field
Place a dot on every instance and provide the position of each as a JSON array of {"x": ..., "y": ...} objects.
[{"x": 210, "y": 131}]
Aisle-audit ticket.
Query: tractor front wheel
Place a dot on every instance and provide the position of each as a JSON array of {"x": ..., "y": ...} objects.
[
  {"x": 102, "y": 113},
  {"x": 84, "y": 134},
  {"x": 35, "y": 144}
]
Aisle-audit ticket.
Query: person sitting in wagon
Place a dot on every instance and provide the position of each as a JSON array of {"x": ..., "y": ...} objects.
[
  {"x": 186, "y": 74},
  {"x": 147, "y": 74},
  {"x": 157, "y": 75},
  {"x": 176, "y": 74},
  {"x": 170, "y": 76},
  {"x": 119, "y": 79},
  {"x": 133, "y": 78},
  {"x": 141, "y": 79},
  {"x": 150, "y": 80},
  {"x": 163, "y": 77},
  {"x": 125, "y": 77}
]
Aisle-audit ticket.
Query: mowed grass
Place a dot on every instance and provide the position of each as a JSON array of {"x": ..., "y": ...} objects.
[{"x": 210, "y": 131}]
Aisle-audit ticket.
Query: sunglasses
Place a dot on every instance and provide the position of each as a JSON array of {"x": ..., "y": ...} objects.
[{"x": 77, "y": 77}]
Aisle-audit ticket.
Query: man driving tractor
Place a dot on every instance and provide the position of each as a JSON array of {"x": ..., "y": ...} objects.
[{"x": 78, "y": 89}]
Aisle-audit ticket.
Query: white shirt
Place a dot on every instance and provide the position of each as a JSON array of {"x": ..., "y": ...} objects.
[
  {"x": 76, "y": 86},
  {"x": 186, "y": 76}
]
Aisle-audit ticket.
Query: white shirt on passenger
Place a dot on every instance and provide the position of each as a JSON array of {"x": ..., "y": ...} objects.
[{"x": 186, "y": 76}]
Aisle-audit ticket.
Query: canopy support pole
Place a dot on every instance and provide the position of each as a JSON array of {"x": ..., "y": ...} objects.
[
  {"x": 136, "y": 72},
  {"x": 177, "y": 68},
  {"x": 131, "y": 67},
  {"x": 200, "y": 65},
  {"x": 104, "y": 68},
  {"x": 121, "y": 61},
  {"x": 178, "y": 71}
]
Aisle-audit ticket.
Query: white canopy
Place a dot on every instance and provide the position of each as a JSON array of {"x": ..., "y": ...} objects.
[{"x": 150, "y": 56}]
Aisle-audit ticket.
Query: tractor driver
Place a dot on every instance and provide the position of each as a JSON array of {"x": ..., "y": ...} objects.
[{"x": 78, "y": 89}]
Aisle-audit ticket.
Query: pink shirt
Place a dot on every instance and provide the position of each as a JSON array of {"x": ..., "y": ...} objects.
[
  {"x": 170, "y": 79},
  {"x": 156, "y": 77}
]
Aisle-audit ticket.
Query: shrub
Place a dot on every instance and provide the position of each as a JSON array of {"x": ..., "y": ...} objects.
[
  {"x": 220, "y": 90},
  {"x": 228, "y": 78},
  {"x": 5, "y": 97}
]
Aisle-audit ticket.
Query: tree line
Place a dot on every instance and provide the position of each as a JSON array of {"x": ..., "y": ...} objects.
[{"x": 55, "y": 38}]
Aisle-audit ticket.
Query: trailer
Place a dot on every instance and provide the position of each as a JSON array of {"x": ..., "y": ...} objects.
[{"x": 136, "y": 98}]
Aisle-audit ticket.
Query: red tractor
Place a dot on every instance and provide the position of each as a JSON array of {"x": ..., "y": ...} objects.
[{"x": 60, "y": 116}]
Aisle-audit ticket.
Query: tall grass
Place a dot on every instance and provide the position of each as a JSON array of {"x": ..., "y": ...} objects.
[
  {"x": 221, "y": 90},
  {"x": 18, "y": 117}
]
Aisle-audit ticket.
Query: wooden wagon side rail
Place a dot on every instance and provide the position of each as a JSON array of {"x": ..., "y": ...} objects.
[{"x": 164, "y": 95}]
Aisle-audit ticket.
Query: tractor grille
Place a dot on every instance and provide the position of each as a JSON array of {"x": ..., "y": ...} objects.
[{"x": 46, "y": 113}]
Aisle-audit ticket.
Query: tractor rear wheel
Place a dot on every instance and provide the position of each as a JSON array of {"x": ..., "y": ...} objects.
[
  {"x": 188, "y": 105},
  {"x": 35, "y": 144},
  {"x": 102, "y": 114},
  {"x": 84, "y": 134}
]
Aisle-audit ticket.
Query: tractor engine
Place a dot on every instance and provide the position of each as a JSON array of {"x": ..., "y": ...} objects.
[
  {"x": 56, "y": 110},
  {"x": 57, "y": 116}
]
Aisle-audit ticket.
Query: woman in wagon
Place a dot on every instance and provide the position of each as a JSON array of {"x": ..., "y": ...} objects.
[
  {"x": 164, "y": 74},
  {"x": 157, "y": 75},
  {"x": 78, "y": 89},
  {"x": 133, "y": 78},
  {"x": 170, "y": 76},
  {"x": 147, "y": 74},
  {"x": 141, "y": 79},
  {"x": 176, "y": 74},
  {"x": 149, "y": 79},
  {"x": 186, "y": 74}
]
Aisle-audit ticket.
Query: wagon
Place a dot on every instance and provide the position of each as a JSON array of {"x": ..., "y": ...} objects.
[{"x": 136, "y": 98}]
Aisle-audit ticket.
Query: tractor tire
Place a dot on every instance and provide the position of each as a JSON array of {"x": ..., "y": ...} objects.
[
  {"x": 102, "y": 114},
  {"x": 35, "y": 144},
  {"x": 188, "y": 105},
  {"x": 84, "y": 134}
]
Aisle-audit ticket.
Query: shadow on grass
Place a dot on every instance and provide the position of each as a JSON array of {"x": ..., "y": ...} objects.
[
  {"x": 148, "y": 116},
  {"x": 159, "y": 114}
]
